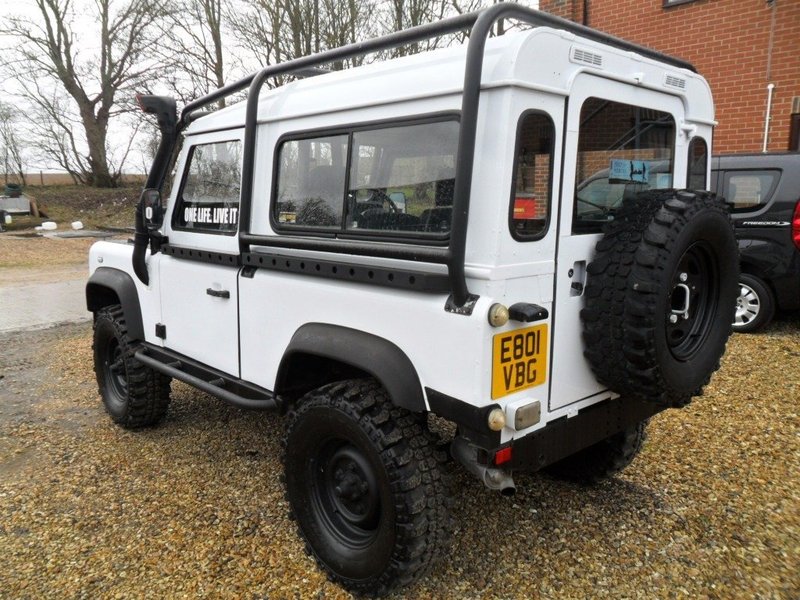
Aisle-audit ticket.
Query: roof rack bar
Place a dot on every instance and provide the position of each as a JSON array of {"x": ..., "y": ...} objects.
[
  {"x": 480, "y": 23},
  {"x": 399, "y": 38}
]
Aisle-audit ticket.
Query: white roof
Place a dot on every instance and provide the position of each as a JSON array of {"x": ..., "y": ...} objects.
[{"x": 542, "y": 58}]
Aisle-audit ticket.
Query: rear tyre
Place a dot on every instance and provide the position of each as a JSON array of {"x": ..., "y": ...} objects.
[
  {"x": 134, "y": 395},
  {"x": 603, "y": 459},
  {"x": 365, "y": 483},
  {"x": 755, "y": 305},
  {"x": 660, "y": 296}
]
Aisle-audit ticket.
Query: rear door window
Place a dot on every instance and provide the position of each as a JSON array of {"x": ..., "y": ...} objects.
[
  {"x": 622, "y": 150},
  {"x": 748, "y": 190}
]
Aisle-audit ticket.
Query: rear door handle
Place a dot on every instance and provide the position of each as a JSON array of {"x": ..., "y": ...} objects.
[{"x": 218, "y": 293}]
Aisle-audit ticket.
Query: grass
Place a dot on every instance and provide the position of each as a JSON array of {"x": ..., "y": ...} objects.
[{"x": 95, "y": 207}]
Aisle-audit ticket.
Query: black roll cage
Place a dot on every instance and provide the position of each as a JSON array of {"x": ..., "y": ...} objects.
[{"x": 478, "y": 24}]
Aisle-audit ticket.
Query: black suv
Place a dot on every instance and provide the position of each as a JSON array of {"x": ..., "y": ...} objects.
[{"x": 764, "y": 191}]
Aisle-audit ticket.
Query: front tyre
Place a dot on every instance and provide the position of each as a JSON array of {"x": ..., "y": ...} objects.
[
  {"x": 134, "y": 395},
  {"x": 365, "y": 483}
]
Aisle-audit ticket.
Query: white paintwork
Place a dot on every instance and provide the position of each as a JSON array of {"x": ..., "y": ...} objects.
[{"x": 451, "y": 353}]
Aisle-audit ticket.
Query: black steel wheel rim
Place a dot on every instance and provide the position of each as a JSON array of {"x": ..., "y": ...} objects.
[
  {"x": 114, "y": 370},
  {"x": 691, "y": 308},
  {"x": 345, "y": 493}
]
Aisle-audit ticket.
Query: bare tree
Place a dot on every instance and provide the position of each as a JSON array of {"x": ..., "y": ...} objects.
[
  {"x": 74, "y": 94},
  {"x": 275, "y": 31},
  {"x": 192, "y": 43},
  {"x": 10, "y": 147}
]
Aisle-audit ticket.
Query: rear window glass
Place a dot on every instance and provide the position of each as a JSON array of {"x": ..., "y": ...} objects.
[
  {"x": 698, "y": 164},
  {"x": 209, "y": 197},
  {"x": 747, "y": 190},
  {"x": 622, "y": 150},
  {"x": 533, "y": 175}
]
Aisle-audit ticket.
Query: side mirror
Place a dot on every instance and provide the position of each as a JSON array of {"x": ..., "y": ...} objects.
[{"x": 152, "y": 211}]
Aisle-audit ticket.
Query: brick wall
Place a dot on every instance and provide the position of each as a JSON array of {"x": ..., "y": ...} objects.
[{"x": 728, "y": 41}]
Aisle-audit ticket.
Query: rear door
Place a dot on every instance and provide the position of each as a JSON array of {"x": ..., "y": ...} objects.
[{"x": 613, "y": 149}]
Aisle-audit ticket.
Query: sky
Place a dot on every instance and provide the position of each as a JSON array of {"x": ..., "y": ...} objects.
[{"x": 87, "y": 44}]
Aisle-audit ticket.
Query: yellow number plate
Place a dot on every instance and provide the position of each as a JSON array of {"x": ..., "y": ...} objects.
[{"x": 519, "y": 360}]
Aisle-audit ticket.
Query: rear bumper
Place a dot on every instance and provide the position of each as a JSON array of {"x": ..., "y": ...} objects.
[
  {"x": 566, "y": 436},
  {"x": 557, "y": 440}
]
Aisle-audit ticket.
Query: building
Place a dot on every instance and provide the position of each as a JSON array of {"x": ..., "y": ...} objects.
[{"x": 748, "y": 50}]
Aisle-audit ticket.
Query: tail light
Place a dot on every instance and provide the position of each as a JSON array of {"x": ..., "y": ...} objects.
[{"x": 796, "y": 226}]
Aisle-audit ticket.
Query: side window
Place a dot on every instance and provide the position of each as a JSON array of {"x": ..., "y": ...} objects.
[
  {"x": 401, "y": 178},
  {"x": 396, "y": 179},
  {"x": 747, "y": 190},
  {"x": 533, "y": 177},
  {"x": 622, "y": 150},
  {"x": 209, "y": 196},
  {"x": 698, "y": 164},
  {"x": 311, "y": 180}
]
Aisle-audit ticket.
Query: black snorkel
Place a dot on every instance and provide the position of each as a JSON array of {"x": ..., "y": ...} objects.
[{"x": 148, "y": 210}]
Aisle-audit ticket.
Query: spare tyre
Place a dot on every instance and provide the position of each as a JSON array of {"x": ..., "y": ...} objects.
[{"x": 661, "y": 295}]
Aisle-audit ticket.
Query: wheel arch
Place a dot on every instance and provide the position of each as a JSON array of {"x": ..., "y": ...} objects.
[
  {"x": 108, "y": 286},
  {"x": 332, "y": 352}
]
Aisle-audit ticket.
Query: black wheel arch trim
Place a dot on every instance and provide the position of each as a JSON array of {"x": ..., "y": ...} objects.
[
  {"x": 375, "y": 355},
  {"x": 108, "y": 279}
]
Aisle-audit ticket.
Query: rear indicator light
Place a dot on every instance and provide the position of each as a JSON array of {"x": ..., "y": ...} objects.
[
  {"x": 796, "y": 226},
  {"x": 502, "y": 456}
]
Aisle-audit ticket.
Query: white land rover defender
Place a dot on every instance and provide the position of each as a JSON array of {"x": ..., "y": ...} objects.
[{"x": 489, "y": 233}]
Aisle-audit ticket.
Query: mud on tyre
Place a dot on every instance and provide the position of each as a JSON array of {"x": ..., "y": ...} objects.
[
  {"x": 365, "y": 484},
  {"x": 660, "y": 296}
]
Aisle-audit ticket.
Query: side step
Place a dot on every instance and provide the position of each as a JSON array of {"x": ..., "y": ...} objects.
[{"x": 220, "y": 385}]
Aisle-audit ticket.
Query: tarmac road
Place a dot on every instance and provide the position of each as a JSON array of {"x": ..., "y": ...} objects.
[{"x": 53, "y": 296}]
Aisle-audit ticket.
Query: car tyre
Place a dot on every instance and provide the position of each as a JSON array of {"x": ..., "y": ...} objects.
[
  {"x": 602, "y": 460},
  {"x": 134, "y": 395},
  {"x": 755, "y": 305},
  {"x": 660, "y": 296},
  {"x": 366, "y": 486}
]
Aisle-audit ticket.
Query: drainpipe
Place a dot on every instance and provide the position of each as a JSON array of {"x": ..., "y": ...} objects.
[{"x": 770, "y": 87}]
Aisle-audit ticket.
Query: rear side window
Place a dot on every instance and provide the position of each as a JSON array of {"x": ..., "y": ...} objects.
[
  {"x": 311, "y": 182},
  {"x": 747, "y": 190},
  {"x": 395, "y": 179},
  {"x": 402, "y": 178},
  {"x": 622, "y": 150},
  {"x": 533, "y": 177},
  {"x": 698, "y": 164},
  {"x": 209, "y": 196}
]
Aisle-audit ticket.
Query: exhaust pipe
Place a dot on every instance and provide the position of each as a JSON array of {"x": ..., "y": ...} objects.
[{"x": 492, "y": 477}]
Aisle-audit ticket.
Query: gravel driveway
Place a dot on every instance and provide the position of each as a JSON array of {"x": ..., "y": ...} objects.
[{"x": 195, "y": 507}]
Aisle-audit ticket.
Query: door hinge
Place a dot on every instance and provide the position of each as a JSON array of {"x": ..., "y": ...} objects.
[{"x": 161, "y": 331}]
